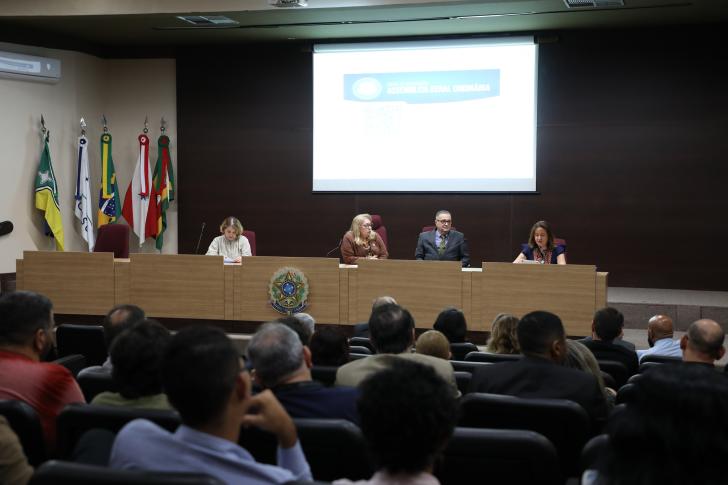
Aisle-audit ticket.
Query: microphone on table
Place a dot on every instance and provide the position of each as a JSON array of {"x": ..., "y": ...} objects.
[
  {"x": 335, "y": 248},
  {"x": 199, "y": 240}
]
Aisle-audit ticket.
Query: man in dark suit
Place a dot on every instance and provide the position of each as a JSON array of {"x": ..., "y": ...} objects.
[
  {"x": 443, "y": 243},
  {"x": 540, "y": 373},
  {"x": 607, "y": 328}
]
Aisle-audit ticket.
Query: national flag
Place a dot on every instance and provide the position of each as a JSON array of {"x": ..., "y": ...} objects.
[
  {"x": 46, "y": 196},
  {"x": 82, "y": 206},
  {"x": 140, "y": 201},
  {"x": 109, "y": 205},
  {"x": 163, "y": 186}
]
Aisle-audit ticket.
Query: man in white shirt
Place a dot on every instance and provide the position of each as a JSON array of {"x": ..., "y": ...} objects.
[{"x": 659, "y": 336}]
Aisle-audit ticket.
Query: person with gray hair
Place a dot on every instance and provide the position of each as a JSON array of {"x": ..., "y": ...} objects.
[
  {"x": 282, "y": 364},
  {"x": 307, "y": 320},
  {"x": 703, "y": 342}
]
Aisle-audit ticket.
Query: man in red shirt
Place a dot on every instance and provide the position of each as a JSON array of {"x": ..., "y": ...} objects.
[{"x": 26, "y": 336}]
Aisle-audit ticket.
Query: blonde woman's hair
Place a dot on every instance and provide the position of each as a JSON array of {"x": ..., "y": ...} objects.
[
  {"x": 433, "y": 343},
  {"x": 580, "y": 357},
  {"x": 358, "y": 220},
  {"x": 503, "y": 338},
  {"x": 233, "y": 222}
]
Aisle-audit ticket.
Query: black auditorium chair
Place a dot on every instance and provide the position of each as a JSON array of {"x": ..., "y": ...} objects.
[
  {"x": 472, "y": 367},
  {"x": 74, "y": 363},
  {"x": 626, "y": 393},
  {"x": 563, "y": 422},
  {"x": 593, "y": 450},
  {"x": 608, "y": 380},
  {"x": 56, "y": 472},
  {"x": 354, "y": 356},
  {"x": 460, "y": 349},
  {"x": 334, "y": 448},
  {"x": 87, "y": 340},
  {"x": 360, "y": 349},
  {"x": 492, "y": 358},
  {"x": 661, "y": 359},
  {"x": 325, "y": 374},
  {"x": 25, "y": 422},
  {"x": 76, "y": 419},
  {"x": 462, "y": 379},
  {"x": 95, "y": 381},
  {"x": 362, "y": 342},
  {"x": 617, "y": 370},
  {"x": 513, "y": 457},
  {"x": 646, "y": 366}
]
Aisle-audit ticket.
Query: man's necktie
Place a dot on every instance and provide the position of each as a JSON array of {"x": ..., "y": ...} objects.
[{"x": 441, "y": 247}]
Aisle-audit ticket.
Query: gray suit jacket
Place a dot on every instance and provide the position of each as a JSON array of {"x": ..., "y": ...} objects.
[{"x": 456, "y": 249}]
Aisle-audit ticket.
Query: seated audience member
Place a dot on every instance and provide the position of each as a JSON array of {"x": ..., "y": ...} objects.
[
  {"x": 393, "y": 335},
  {"x": 503, "y": 338},
  {"x": 329, "y": 346},
  {"x": 14, "y": 467},
  {"x": 703, "y": 343},
  {"x": 540, "y": 373},
  {"x": 580, "y": 357},
  {"x": 116, "y": 321},
  {"x": 283, "y": 365},
  {"x": 206, "y": 382},
  {"x": 433, "y": 343},
  {"x": 674, "y": 431},
  {"x": 606, "y": 329},
  {"x": 407, "y": 431},
  {"x": 451, "y": 322},
  {"x": 541, "y": 246},
  {"x": 26, "y": 335},
  {"x": 232, "y": 244},
  {"x": 362, "y": 329},
  {"x": 362, "y": 242},
  {"x": 303, "y": 332},
  {"x": 659, "y": 337},
  {"x": 307, "y": 320},
  {"x": 443, "y": 243},
  {"x": 137, "y": 358}
]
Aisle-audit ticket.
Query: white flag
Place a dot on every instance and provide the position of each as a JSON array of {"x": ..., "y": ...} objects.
[
  {"x": 82, "y": 206},
  {"x": 140, "y": 195}
]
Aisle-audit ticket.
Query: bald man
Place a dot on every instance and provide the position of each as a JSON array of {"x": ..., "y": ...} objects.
[
  {"x": 703, "y": 342},
  {"x": 659, "y": 336}
]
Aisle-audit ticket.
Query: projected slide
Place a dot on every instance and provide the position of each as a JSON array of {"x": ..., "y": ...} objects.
[{"x": 434, "y": 116}]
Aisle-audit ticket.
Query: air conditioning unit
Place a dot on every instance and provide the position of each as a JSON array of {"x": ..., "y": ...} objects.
[{"x": 32, "y": 68}]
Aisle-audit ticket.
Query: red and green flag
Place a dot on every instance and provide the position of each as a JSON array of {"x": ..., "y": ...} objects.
[{"x": 164, "y": 186}]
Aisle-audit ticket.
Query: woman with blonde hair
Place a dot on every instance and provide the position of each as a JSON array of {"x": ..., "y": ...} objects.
[
  {"x": 580, "y": 357},
  {"x": 362, "y": 242},
  {"x": 503, "y": 338},
  {"x": 232, "y": 244}
]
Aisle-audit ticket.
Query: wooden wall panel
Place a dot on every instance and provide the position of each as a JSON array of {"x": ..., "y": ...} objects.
[{"x": 631, "y": 158}]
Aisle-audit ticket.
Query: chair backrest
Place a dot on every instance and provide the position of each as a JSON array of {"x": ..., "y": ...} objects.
[
  {"x": 646, "y": 366},
  {"x": 615, "y": 369},
  {"x": 251, "y": 239},
  {"x": 609, "y": 380},
  {"x": 563, "y": 422},
  {"x": 593, "y": 450},
  {"x": 462, "y": 379},
  {"x": 358, "y": 349},
  {"x": 362, "y": 342},
  {"x": 460, "y": 349},
  {"x": 87, "y": 340},
  {"x": 56, "y": 472},
  {"x": 515, "y": 457},
  {"x": 379, "y": 228},
  {"x": 94, "y": 381},
  {"x": 662, "y": 359},
  {"x": 461, "y": 365},
  {"x": 489, "y": 357},
  {"x": 626, "y": 393},
  {"x": 355, "y": 356},
  {"x": 325, "y": 374},
  {"x": 74, "y": 363},
  {"x": 76, "y": 419},
  {"x": 113, "y": 238},
  {"x": 26, "y": 424},
  {"x": 334, "y": 448}
]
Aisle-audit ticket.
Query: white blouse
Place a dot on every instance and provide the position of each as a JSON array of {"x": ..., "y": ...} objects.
[{"x": 220, "y": 246}]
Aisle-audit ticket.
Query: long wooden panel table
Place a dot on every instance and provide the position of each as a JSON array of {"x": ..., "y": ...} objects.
[{"x": 202, "y": 287}]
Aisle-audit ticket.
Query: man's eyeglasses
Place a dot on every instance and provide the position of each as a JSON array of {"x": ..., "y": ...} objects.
[{"x": 444, "y": 221}]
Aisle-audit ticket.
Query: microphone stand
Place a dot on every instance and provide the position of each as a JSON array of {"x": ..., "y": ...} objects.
[{"x": 199, "y": 240}]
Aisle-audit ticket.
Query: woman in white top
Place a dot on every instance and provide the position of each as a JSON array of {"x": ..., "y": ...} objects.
[{"x": 232, "y": 244}]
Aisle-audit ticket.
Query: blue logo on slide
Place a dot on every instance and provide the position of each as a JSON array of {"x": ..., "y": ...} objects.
[{"x": 423, "y": 87}]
